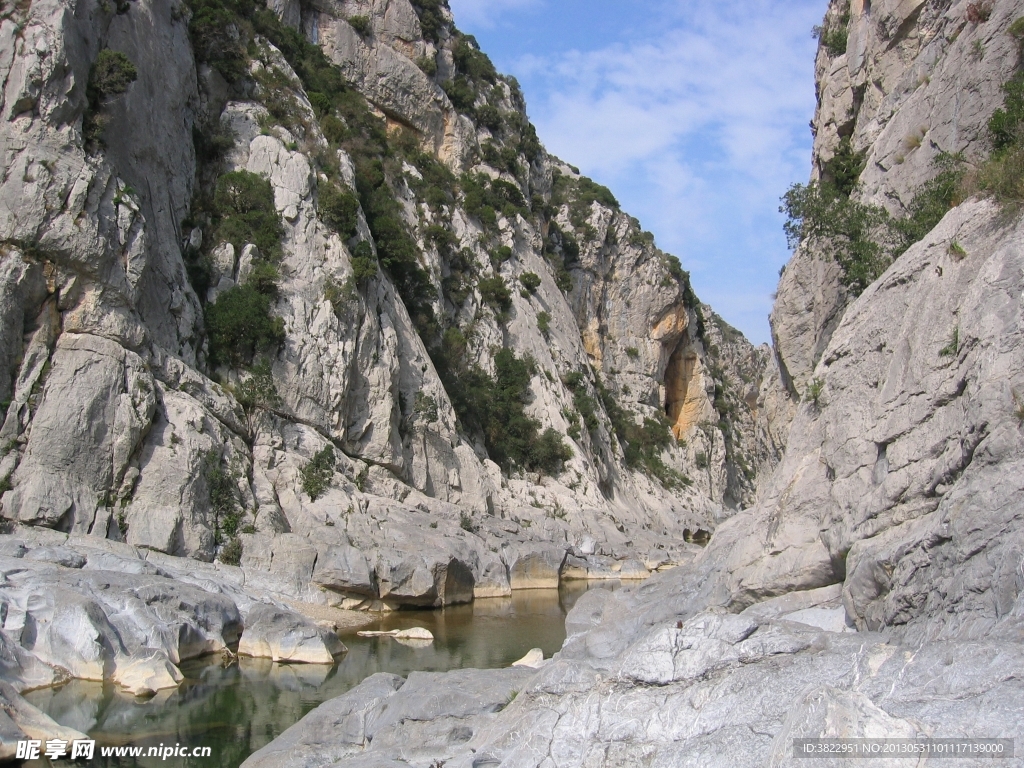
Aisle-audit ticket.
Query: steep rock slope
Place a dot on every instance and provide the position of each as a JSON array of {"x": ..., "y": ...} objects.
[{"x": 301, "y": 288}]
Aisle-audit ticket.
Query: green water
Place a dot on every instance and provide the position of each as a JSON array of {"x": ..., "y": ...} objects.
[{"x": 239, "y": 706}]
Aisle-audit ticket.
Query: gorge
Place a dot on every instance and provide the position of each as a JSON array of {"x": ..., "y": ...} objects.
[{"x": 301, "y": 320}]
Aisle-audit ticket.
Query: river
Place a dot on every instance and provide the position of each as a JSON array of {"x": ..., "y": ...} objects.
[{"x": 235, "y": 706}]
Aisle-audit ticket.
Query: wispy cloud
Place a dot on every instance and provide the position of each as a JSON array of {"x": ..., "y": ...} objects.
[
  {"x": 485, "y": 13},
  {"x": 698, "y": 129}
]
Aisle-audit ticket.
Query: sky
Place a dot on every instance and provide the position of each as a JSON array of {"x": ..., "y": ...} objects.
[{"x": 695, "y": 113}]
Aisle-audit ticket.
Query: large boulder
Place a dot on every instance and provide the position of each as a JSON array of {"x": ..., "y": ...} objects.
[{"x": 285, "y": 636}]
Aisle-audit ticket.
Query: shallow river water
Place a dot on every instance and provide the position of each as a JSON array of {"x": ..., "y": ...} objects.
[{"x": 239, "y": 706}]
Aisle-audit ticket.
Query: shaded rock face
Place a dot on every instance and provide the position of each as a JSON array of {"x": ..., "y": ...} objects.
[{"x": 121, "y": 422}]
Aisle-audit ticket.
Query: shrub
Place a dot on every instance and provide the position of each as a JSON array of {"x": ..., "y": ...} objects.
[
  {"x": 495, "y": 293},
  {"x": 244, "y": 206},
  {"x": 231, "y": 553},
  {"x": 564, "y": 281},
  {"x": 530, "y": 281},
  {"x": 815, "y": 388},
  {"x": 361, "y": 24},
  {"x": 428, "y": 64},
  {"x": 257, "y": 392},
  {"x": 932, "y": 201},
  {"x": 466, "y": 522},
  {"x": 953, "y": 347},
  {"x": 544, "y": 323},
  {"x": 364, "y": 262},
  {"x": 642, "y": 444},
  {"x": 834, "y": 37},
  {"x": 431, "y": 18},
  {"x": 339, "y": 210},
  {"x": 489, "y": 117},
  {"x": 632, "y": 352},
  {"x": 549, "y": 452},
  {"x": 845, "y": 230},
  {"x": 223, "y": 496},
  {"x": 494, "y": 408},
  {"x": 845, "y": 167},
  {"x": 239, "y": 324},
  {"x": 110, "y": 76},
  {"x": 215, "y": 31},
  {"x": 318, "y": 472},
  {"x": 471, "y": 61}
]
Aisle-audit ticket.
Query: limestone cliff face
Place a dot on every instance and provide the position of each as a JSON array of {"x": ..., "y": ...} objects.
[
  {"x": 121, "y": 423},
  {"x": 901, "y": 472}
]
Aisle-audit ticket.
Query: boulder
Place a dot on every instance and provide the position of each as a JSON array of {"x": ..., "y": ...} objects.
[
  {"x": 534, "y": 659},
  {"x": 285, "y": 636},
  {"x": 147, "y": 671},
  {"x": 538, "y": 568},
  {"x": 344, "y": 569}
]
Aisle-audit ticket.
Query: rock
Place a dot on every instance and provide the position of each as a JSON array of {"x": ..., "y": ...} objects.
[
  {"x": 344, "y": 569},
  {"x": 534, "y": 659},
  {"x": 536, "y": 569},
  {"x": 332, "y": 731},
  {"x": 146, "y": 672},
  {"x": 58, "y": 556},
  {"x": 22, "y": 720},
  {"x": 415, "y": 633},
  {"x": 285, "y": 636}
]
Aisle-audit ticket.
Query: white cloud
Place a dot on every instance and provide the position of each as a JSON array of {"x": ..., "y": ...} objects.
[
  {"x": 485, "y": 13},
  {"x": 698, "y": 129}
]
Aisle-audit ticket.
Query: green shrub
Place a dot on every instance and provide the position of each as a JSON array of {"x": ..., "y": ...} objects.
[
  {"x": 530, "y": 281},
  {"x": 431, "y": 18},
  {"x": 845, "y": 167},
  {"x": 364, "y": 263},
  {"x": 564, "y": 281},
  {"x": 932, "y": 201},
  {"x": 495, "y": 293},
  {"x": 845, "y": 230},
  {"x": 239, "y": 324},
  {"x": 953, "y": 348},
  {"x": 494, "y": 408},
  {"x": 216, "y": 33},
  {"x": 257, "y": 393},
  {"x": 632, "y": 352},
  {"x": 361, "y": 24},
  {"x": 428, "y": 64},
  {"x": 231, "y": 553},
  {"x": 489, "y": 117},
  {"x": 642, "y": 444},
  {"x": 466, "y": 522},
  {"x": 222, "y": 492},
  {"x": 318, "y": 472},
  {"x": 109, "y": 76},
  {"x": 471, "y": 61},
  {"x": 834, "y": 37},
  {"x": 244, "y": 206},
  {"x": 339, "y": 210},
  {"x": 815, "y": 389},
  {"x": 544, "y": 323}
]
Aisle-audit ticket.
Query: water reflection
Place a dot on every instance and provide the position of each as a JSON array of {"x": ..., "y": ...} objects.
[{"x": 238, "y": 706}]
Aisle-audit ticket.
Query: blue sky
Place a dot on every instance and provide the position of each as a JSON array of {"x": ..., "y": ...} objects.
[{"x": 694, "y": 112}]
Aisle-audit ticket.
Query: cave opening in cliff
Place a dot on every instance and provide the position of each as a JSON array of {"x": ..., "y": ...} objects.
[{"x": 678, "y": 375}]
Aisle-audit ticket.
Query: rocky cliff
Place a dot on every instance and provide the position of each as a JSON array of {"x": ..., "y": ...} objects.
[
  {"x": 299, "y": 288},
  {"x": 876, "y": 588}
]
